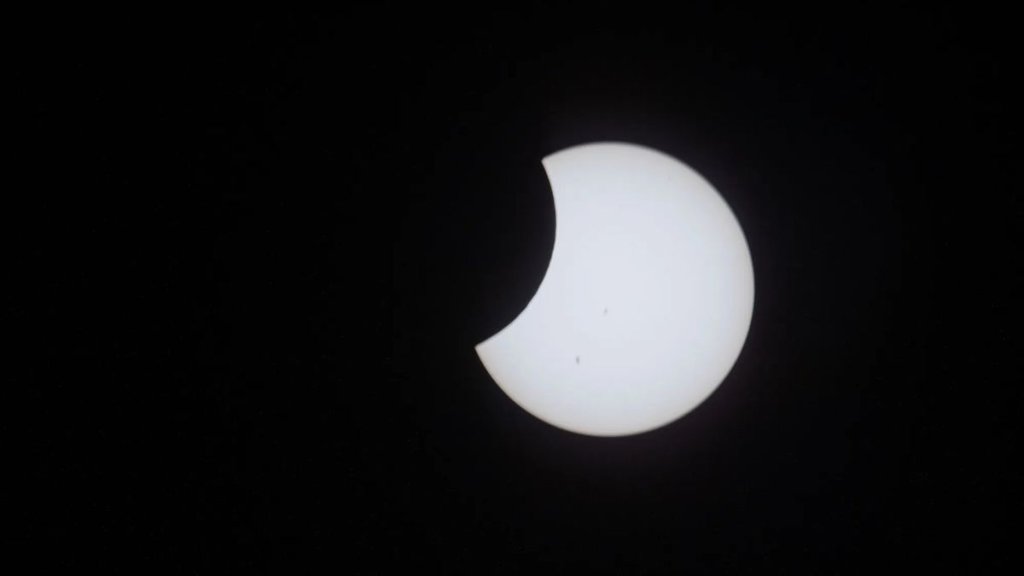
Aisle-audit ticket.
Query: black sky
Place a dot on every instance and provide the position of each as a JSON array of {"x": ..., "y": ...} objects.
[{"x": 255, "y": 251}]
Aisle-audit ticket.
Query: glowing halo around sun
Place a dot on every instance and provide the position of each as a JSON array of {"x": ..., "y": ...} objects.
[{"x": 646, "y": 302}]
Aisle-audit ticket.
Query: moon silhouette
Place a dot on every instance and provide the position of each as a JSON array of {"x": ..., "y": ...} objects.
[{"x": 646, "y": 302}]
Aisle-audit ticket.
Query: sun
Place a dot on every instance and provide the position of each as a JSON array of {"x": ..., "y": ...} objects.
[{"x": 646, "y": 302}]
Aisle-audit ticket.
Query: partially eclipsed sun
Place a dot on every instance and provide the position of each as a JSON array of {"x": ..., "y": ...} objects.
[{"x": 646, "y": 302}]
